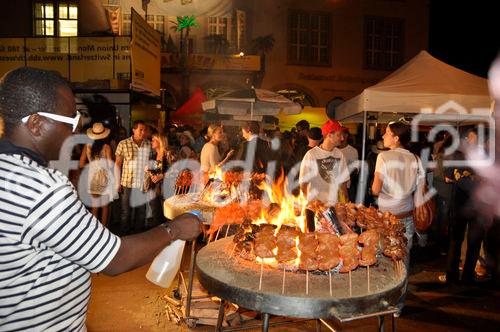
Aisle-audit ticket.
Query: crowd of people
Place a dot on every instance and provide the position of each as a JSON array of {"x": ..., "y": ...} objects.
[
  {"x": 51, "y": 242},
  {"x": 325, "y": 164}
]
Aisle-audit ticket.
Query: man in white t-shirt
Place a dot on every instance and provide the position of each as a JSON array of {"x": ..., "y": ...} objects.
[{"x": 323, "y": 171}]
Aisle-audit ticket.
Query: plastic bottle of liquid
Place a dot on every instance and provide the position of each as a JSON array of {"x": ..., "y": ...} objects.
[{"x": 166, "y": 265}]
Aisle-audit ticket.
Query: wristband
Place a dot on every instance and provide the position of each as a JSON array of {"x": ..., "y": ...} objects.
[{"x": 197, "y": 213}]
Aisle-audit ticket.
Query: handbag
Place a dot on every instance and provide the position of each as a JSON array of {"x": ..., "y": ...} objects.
[
  {"x": 424, "y": 212},
  {"x": 99, "y": 181},
  {"x": 148, "y": 183},
  {"x": 99, "y": 175}
]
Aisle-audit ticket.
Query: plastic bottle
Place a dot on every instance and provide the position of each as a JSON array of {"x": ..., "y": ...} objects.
[
  {"x": 166, "y": 265},
  {"x": 168, "y": 262}
]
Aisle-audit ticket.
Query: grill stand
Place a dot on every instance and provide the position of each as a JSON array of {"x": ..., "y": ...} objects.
[
  {"x": 225, "y": 277},
  {"x": 266, "y": 317}
]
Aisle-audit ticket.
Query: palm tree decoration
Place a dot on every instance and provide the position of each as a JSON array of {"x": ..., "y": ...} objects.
[
  {"x": 261, "y": 46},
  {"x": 184, "y": 25}
]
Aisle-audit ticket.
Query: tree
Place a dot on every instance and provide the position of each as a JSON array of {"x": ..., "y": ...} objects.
[
  {"x": 260, "y": 46},
  {"x": 184, "y": 25}
]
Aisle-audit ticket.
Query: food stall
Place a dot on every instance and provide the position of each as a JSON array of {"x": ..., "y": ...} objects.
[{"x": 349, "y": 267}]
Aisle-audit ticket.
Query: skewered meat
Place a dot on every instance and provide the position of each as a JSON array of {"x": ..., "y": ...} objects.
[
  {"x": 368, "y": 256},
  {"x": 328, "y": 251},
  {"x": 286, "y": 237},
  {"x": 308, "y": 244},
  {"x": 285, "y": 255},
  {"x": 265, "y": 242},
  {"x": 349, "y": 256},
  {"x": 369, "y": 239},
  {"x": 308, "y": 262},
  {"x": 349, "y": 252},
  {"x": 285, "y": 241},
  {"x": 351, "y": 213},
  {"x": 341, "y": 212},
  {"x": 350, "y": 239},
  {"x": 360, "y": 217}
]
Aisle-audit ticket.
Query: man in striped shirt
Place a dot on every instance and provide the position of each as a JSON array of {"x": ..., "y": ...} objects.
[{"x": 49, "y": 242}]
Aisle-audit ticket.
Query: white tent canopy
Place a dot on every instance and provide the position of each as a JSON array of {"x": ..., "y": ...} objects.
[{"x": 422, "y": 85}]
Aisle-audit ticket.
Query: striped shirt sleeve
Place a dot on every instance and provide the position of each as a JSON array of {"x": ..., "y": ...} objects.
[{"x": 58, "y": 221}]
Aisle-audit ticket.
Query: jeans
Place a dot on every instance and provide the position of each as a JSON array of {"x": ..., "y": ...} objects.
[
  {"x": 133, "y": 213},
  {"x": 409, "y": 232}
]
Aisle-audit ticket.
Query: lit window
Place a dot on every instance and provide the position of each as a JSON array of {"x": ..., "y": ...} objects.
[
  {"x": 217, "y": 26},
  {"x": 157, "y": 22},
  {"x": 44, "y": 19},
  {"x": 48, "y": 13},
  {"x": 68, "y": 19}
]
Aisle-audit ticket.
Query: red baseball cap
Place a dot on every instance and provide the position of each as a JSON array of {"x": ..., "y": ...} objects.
[{"x": 331, "y": 126}]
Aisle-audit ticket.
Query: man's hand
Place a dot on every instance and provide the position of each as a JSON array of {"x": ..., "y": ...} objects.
[{"x": 185, "y": 227}]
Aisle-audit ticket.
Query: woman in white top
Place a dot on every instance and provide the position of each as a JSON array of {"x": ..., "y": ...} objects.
[
  {"x": 398, "y": 172},
  {"x": 209, "y": 156},
  {"x": 99, "y": 156}
]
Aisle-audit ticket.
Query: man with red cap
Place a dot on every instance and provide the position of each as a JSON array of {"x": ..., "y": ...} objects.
[{"x": 323, "y": 172}]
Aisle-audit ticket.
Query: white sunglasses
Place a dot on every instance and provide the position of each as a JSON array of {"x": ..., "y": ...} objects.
[{"x": 59, "y": 118}]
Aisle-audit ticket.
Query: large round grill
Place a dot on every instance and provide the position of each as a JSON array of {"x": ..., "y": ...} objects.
[{"x": 237, "y": 280}]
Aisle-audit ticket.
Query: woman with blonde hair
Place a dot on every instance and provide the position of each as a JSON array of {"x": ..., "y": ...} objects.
[
  {"x": 156, "y": 172},
  {"x": 209, "y": 156}
]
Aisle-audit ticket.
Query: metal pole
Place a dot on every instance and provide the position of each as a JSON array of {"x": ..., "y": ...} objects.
[
  {"x": 360, "y": 194},
  {"x": 265, "y": 323},
  {"x": 190, "y": 280}
]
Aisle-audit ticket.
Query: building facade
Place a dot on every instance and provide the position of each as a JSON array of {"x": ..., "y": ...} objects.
[{"x": 311, "y": 51}]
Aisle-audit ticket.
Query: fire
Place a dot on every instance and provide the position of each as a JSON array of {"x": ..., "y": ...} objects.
[
  {"x": 269, "y": 261},
  {"x": 215, "y": 173},
  {"x": 288, "y": 209},
  {"x": 284, "y": 209}
]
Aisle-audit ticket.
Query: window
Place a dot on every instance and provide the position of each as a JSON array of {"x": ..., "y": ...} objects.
[
  {"x": 217, "y": 26},
  {"x": 157, "y": 22},
  {"x": 126, "y": 25},
  {"x": 309, "y": 38},
  {"x": 55, "y": 18},
  {"x": 383, "y": 43},
  {"x": 68, "y": 19},
  {"x": 44, "y": 19}
]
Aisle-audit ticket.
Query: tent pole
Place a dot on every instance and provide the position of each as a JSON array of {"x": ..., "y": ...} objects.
[{"x": 361, "y": 191}]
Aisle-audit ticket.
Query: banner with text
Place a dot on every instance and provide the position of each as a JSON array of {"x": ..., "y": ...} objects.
[
  {"x": 213, "y": 62},
  {"x": 78, "y": 59},
  {"x": 145, "y": 56}
]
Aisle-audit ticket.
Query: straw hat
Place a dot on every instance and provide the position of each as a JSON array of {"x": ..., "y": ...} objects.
[
  {"x": 379, "y": 147},
  {"x": 188, "y": 134},
  {"x": 98, "y": 131}
]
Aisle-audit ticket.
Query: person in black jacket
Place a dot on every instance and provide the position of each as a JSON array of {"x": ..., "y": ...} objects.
[
  {"x": 254, "y": 149},
  {"x": 463, "y": 215}
]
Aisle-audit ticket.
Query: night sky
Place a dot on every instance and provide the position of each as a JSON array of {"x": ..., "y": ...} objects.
[{"x": 465, "y": 34}]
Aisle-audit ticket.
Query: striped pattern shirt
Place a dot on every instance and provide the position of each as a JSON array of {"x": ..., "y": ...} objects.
[
  {"x": 49, "y": 245},
  {"x": 135, "y": 158}
]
